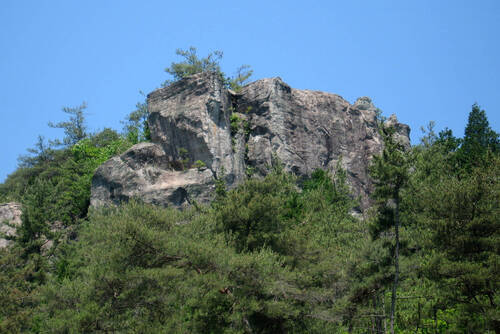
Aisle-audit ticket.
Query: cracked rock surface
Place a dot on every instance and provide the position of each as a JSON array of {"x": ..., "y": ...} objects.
[
  {"x": 10, "y": 218},
  {"x": 237, "y": 134}
]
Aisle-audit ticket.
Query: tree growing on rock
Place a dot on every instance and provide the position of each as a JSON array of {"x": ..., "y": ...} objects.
[{"x": 192, "y": 64}]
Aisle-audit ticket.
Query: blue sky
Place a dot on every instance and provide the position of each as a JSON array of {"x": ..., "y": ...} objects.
[{"x": 422, "y": 60}]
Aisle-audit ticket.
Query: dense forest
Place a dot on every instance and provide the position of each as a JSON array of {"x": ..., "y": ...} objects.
[{"x": 277, "y": 254}]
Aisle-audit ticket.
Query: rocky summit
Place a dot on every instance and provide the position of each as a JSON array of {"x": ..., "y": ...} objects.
[{"x": 202, "y": 131}]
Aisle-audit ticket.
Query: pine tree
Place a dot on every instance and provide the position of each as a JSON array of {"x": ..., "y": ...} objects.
[
  {"x": 37, "y": 213},
  {"x": 74, "y": 129},
  {"x": 192, "y": 64},
  {"x": 390, "y": 172},
  {"x": 479, "y": 138}
]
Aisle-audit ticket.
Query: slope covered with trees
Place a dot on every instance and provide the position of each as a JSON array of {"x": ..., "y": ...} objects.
[{"x": 274, "y": 255}]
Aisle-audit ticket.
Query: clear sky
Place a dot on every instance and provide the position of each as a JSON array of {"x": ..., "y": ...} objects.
[{"x": 422, "y": 60}]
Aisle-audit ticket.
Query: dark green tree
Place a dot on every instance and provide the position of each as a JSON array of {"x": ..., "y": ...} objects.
[
  {"x": 461, "y": 212},
  {"x": 37, "y": 214},
  {"x": 254, "y": 214},
  {"x": 390, "y": 172},
  {"x": 478, "y": 138}
]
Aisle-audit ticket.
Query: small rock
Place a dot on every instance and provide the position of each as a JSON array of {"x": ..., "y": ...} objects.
[{"x": 11, "y": 214}]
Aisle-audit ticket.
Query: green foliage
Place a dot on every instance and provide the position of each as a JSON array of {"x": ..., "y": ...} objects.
[
  {"x": 57, "y": 186},
  {"x": 390, "y": 172},
  {"x": 38, "y": 211},
  {"x": 379, "y": 117},
  {"x": 220, "y": 187},
  {"x": 192, "y": 64},
  {"x": 184, "y": 158},
  {"x": 254, "y": 214},
  {"x": 452, "y": 202},
  {"x": 136, "y": 127},
  {"x": 479, "y": 138},
  {"x": 235, "y": 121},
  {"x": 141, "y": 268},
  {"x": 461, "y": 214},
  {"x": 183, "y": 153},
  {"x": 273, "y": 255},
  {"x": 20, "y": 278},
  {"x": 74, "y": 129},
  {"x": 39, "y": 155},
  {"x": 198, "y": 164},
  {"x": 243, "y": 73}
]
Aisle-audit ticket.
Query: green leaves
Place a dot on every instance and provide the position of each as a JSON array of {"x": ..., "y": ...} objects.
[
  {"x": 253, "y": 214},
  {"x": 192, "y": 64},
  {"x": 454, "y": 194},
  {"x": 136, "y": 127},
  {"x": 390, "y": 170},
  {"x": 149, "y": 269},
  {"x": 75, "y": 129}
]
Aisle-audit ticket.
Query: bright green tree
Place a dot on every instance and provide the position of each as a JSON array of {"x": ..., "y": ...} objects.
[{"x": 192, "y": 64}]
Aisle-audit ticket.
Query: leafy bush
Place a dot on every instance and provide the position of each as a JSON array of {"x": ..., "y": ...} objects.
[{"x": 198, "y": 164}]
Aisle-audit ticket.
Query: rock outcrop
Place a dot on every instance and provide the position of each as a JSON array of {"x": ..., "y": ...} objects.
[
  {"x": 197, "y": 121},
  {"x": 10, "y": 213},
  {"x": 146, "y": 173}
]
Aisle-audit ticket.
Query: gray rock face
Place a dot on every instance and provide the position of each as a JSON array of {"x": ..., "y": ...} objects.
[
  {"x": 197, "y": 118},
  {"x": 10, "y": 213},
  {"x": 144, "y": 172}
]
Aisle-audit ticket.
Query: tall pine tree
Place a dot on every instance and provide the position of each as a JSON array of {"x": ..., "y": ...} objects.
[
  {"x": 390, "y": 172},
  {"x": 479, "y": 138}
]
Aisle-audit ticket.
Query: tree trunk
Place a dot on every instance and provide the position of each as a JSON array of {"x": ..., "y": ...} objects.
[
  {"x": 396, "y": 263},
  {"x": 383, "y": 307},
  {"x": 418, "y": 319},
  {"x": 377, "y": 319}
]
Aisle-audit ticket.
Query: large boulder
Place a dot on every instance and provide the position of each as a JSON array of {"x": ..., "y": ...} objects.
[
  {"x": 144, "y": 172},
  {"x": 10, "y": 218},
  {"x": 197, "y": 119},
  {"x": 308, "y": 130}
]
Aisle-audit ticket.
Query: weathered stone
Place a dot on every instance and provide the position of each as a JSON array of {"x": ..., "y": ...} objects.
[
  {"x": 144, "y": 172},
  {"x": 11, "y": 214},
  {"x": 402, "y": 134},
  {"x": 192, "y": 115},
  {"x": 308, "y": 130},
  {"x": 191, "y": 120}
]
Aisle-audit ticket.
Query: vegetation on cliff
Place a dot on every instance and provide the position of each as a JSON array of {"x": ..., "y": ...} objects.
[{"x": 274, "y": 255}]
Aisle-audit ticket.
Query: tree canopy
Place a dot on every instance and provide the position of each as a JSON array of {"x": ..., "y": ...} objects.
[{"x": 275, "y": 254}]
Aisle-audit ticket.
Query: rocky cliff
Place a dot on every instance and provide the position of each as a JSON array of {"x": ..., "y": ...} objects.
[
  {"x": 10, "y": 218},
  {"x": 199, "y": 122}
]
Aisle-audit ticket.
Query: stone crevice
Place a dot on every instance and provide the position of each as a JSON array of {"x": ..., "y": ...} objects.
[{"x": 304, "y": 129}]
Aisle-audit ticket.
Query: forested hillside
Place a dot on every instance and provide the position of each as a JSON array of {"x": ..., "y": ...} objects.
[{"x": 276, "y": 254}]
